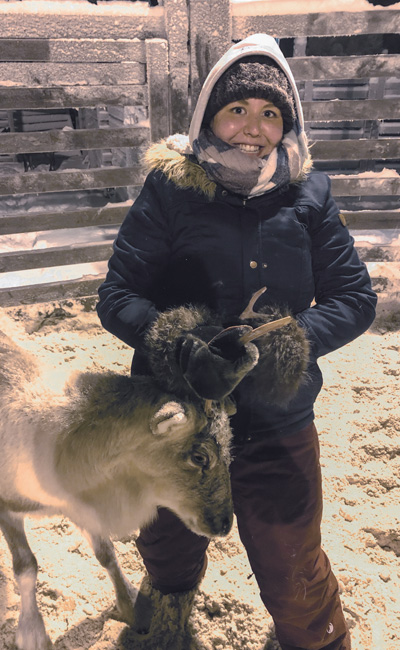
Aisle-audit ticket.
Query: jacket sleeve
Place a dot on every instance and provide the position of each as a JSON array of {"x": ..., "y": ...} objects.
[
  {"x": 141, "y": 251},
  {"x": 344, "y": 300}
]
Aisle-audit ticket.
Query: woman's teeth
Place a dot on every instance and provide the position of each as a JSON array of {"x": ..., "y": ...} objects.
[{"x": 249, "y": 148}]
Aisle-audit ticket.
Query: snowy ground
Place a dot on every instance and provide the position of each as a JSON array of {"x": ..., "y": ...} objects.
[{"x": 358, "y": 417}]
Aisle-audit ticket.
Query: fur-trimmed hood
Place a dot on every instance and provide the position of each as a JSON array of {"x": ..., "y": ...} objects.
[{"x": 174, "y": 155}]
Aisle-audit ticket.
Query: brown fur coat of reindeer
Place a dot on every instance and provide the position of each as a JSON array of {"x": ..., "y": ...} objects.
[{"x": 106, "y": 450}]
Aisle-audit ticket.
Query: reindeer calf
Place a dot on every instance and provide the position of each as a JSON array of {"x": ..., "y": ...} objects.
[{"x": 104, "y": 450}]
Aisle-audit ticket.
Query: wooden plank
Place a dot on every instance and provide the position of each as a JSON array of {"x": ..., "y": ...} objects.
[
  {"x": 177, "y": 26},
  {"x": 356, "y": 149},
  {"x": 57, "y": 256},
  {"x": 344, "y": 67},
  {"x": 42, "y": 125},
  {"x": 28, "y": 295},
  {"x": 46, "y": 141},
  {"x": 339, "y": 23},
  {"x": 157, "y": 70},
  {"x": 341, "y": 110},
  {"x": 372, "y": 219},
  {"x": 368, "y": 185},
  {"x": 73, "y": 97},
  {"x": 115, "y": 214},
  {"x": 139, "y": 21},
  {"x": 46, "y": 75},
  {"x": 32, "y": 117},
  {"x": 33, "y": 222},
  {"x": 70, "y": 50},
  {"x": 34, "y": 182},
  {"x": 66, "y": 180},
  {"x": 59, "y": 291},
  {"x": 377, "y": 253},
  {"x": 48, "y": 292},
  {"x": 210, "y": 37}
]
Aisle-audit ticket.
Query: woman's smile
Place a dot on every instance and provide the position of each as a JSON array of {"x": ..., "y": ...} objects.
[{"x": 249, "y": 148}]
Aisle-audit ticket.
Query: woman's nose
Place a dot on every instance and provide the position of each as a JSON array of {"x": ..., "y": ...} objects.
[{"x": 252, "y": 126}]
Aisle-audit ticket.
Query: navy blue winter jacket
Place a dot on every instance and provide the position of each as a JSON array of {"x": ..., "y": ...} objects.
[{"x": 176, "y": 246}]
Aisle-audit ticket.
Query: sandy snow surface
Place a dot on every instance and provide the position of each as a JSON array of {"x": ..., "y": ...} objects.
[{"x": 358, "y": 417}]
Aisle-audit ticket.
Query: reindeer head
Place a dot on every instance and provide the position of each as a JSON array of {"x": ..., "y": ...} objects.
[{"x": 193, "y": 451}]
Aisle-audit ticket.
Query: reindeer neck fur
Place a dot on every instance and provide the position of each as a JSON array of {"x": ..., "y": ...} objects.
[
  {"x": 119, "y": 470},
  {"x": 63, "y": 442},
  {"x": 99, "y": 430}
]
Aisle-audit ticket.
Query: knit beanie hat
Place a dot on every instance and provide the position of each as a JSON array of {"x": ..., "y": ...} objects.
[{"x": 253, "y": 76}]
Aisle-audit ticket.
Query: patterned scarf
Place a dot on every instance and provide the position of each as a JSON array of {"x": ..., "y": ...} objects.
[{"x": 248, "y": 176}]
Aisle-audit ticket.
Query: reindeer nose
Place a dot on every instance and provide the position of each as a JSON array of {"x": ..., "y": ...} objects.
[
  {"x": 221, "y": 526},
  {"x": 226, "y": 525}
]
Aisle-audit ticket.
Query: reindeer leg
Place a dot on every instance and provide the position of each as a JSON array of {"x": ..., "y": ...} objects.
[
  {"x": 125, "y": 592},
  {"x": 31, "y": 633}
]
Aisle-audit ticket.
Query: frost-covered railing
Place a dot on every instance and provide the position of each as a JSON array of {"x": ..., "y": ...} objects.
[{"x": 130, "y": 76}]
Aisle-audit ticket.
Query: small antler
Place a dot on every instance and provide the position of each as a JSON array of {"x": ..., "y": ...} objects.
[
  {"x": 250, "y": 335},
  {"x": 249, "y": 312},
  {"x": 265, "y": 328}
]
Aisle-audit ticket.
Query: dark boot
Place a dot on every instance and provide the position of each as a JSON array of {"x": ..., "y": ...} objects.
[{"x": 160, "y": 620}]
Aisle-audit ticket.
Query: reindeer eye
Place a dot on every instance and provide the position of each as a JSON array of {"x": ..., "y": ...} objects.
[{"x": 200, "y": 459}]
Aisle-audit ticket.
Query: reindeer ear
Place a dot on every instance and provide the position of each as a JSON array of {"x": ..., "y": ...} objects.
[{"x": 170, "y": 416}]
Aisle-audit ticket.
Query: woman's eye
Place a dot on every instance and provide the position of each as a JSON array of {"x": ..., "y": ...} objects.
[
  {"x": 269, "y": 114},
  {"x": 238, "y": 110}
]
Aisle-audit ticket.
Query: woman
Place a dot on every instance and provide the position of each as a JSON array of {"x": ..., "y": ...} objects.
[{"x": 234, "y": 209}]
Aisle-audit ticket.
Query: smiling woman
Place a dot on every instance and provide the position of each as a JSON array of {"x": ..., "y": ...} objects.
[{"x": 234, "y": 210}]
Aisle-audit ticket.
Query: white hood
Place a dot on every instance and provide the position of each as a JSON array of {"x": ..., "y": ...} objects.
[{"x": 260, "y": 44}]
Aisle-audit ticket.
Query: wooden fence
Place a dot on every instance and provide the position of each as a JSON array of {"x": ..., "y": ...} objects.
[{"x": 156, "y": 59}]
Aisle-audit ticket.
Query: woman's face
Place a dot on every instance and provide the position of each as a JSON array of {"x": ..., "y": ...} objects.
[{"x": 254, "y": 126}]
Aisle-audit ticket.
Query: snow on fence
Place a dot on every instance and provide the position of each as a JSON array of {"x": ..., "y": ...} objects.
[{"x": 93, "y": 88}]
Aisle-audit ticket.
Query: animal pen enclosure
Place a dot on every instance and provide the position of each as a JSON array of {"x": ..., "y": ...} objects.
[{"x": 83, "y": 94}]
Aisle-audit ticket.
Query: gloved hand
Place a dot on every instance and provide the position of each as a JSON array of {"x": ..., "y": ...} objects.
[
  {"x": 187, "y": 349},
  {"x": 284, "y": 356},
  {"x": 227, "y": 343},
  {"x": 213, "y": 368}
]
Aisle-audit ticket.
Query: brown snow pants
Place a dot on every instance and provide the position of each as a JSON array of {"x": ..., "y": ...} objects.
[{"x": 277, "y": 494}]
